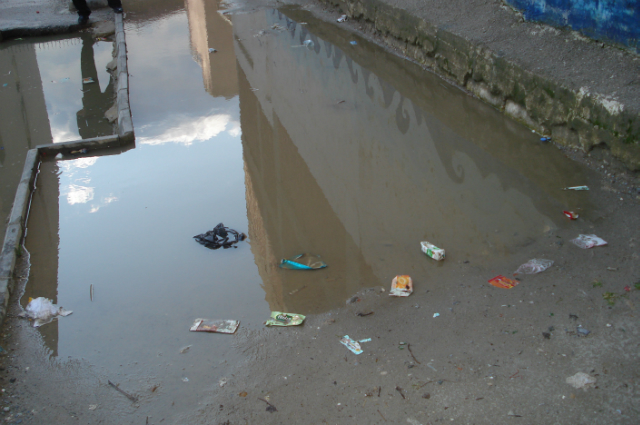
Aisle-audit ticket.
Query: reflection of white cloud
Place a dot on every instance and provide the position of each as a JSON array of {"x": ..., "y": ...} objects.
[
  {"x": 235, "y": 129},
  {"x": 105, "y": 201},
  {"x": 79, "y": 194},
  {"x": 78, "y": 163},
  {"x": 61, "y": 134},
  {"x": 194, "y": 130}
]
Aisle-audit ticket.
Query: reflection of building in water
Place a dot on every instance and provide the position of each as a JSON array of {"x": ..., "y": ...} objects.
[
  {"x": 339, "y": 161},
  {"x": 212, "y": 30},
  {"x": 44, "y": 222},
  {"x": 24, "y": 123},
  {"x": 288, "y": 214}
]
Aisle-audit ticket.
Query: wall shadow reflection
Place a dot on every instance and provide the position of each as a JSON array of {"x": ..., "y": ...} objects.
[{"x": 349, "y": 151}]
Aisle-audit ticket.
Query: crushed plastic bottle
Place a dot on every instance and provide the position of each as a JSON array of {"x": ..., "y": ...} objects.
[
  {"x": 534, "y": 266},
  {"x": 588, "y": 241}
]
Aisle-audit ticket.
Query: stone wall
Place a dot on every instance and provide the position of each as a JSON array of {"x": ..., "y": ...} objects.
[{"x": 572, "y": 118}]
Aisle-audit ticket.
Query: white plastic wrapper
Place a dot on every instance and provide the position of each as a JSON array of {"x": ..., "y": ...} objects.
[
  {"x": 534, "y": 266},
  {"x": 588, "y": 241},
  {"x": 42, "y": 311}
]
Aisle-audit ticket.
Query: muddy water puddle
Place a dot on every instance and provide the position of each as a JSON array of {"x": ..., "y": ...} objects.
[{"x": 329, "y": 147}]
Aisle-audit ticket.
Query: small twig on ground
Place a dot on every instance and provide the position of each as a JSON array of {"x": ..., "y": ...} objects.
[
  {"x": 513, "y": 376},
  {"x": 385, "y": 419},
  {"x": 398, "y": 389},
  {"x": 364, "y": 314},
  {"x": 270, "y": 408},
  {"x": 129, "y": 396},
  {"x": 411, "y": 352},
  {"x": 379, "y": 389},
  {"x": 425, "y": 384}
]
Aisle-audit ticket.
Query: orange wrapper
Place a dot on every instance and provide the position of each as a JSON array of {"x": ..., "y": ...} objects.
[
  {"x": 401, "y": 286},
  {"x": 503, "y": 282}
]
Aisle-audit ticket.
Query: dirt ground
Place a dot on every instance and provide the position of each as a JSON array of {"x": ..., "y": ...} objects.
[{"x": 455, "y": 351}]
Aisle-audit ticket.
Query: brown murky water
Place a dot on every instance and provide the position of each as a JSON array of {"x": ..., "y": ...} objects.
[{"x": 336, "y": 149}]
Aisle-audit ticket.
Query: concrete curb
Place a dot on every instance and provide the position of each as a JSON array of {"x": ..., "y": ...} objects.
[
  {"x": 570, "y": 117},
  {"x": 125, "y": 123},
  {"x": 16, "y": 228}
]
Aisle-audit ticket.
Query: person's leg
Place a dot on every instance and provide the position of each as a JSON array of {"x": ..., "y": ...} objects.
[
  {"x": 116, "y": 5},
  {"x": 82, "y": 8}
]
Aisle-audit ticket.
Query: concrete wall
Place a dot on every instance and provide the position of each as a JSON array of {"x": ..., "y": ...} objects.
[{"x": 612, "y": 20}]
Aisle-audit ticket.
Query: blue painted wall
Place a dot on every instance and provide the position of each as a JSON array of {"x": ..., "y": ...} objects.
[{"x": 612, "y": 20}]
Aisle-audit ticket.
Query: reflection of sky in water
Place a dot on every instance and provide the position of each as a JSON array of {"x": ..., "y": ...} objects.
[
  {"x": 166, "y": 108},
  {"x": 59, "y": 64},
  {"x": 143, "y": 206}
]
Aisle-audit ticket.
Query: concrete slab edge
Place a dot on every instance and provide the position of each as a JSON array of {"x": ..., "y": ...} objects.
[
  {"x": 125, "y": 122},
  {"x": 11, "y": 247},
  {"x": 573, "y": 118}
]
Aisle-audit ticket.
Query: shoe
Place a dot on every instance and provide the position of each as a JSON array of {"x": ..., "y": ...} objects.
[
  {"x": 117, "y": 10},
  {"x": 83, "y": 20}
]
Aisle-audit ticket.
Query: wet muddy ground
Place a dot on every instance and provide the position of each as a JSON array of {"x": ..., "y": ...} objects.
[{"x": 309, "y": 138}]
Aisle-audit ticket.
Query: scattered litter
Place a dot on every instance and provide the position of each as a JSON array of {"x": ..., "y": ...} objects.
[
  {"x": 571, "y": 215},
  {"x": 353, "y": 43},
  {"x": 243, "y": 394},
  {"x": 582, "y": 331},
  {"x": 513, "y": 414},
  {"x": 581, "y": 380},
  {"x": 353, "y": 300},
  {"x": 93, "y": 406},
  {"x": 503, "y": 282},
  {"x": 303, "y": 262},
  {"x": 401, "y": 286},
  {"x": 342, "y": 19},
  {"x": 219, "y": 237},
  {"x": 185, "y": 379},
  {"x": 534, "y": 266},
  {"x": 254, "y": 89},
  {"x": 432, "y": 251},
  {"x": 351, "y": 344},
  {"x": 588, "y": 241},
  {"x": 42, "y": 311},
  {"x": 612, "y": 269},
  {"x": 222, "y": 382},
  {"x": 270, "y": 408},
  {"x": 278, "y": 27},
  {"x": 129, "y": 396},
  {"x": 576, "y": 188},
  {"x": 88, "y": 80},
  {"x": 545, "y": 139},
  {"x": 79, "y": 151},
  {"x": 434, "y": 369},
  {"x": 365, "y": 340},
  {"x": 308, "y": 44},
  {"x": 185, "y": 349},
  {"x": 212, "y": 50},
  {"x": 218, "y": 326},
  {"x": 627, "y": 288},
  {"x": 279, "y": 318},
  {"x": 436, "y": 314}
]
